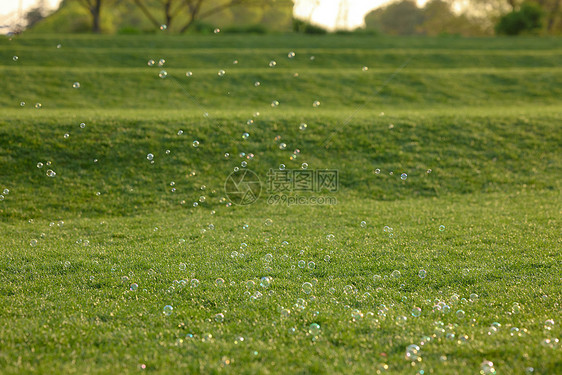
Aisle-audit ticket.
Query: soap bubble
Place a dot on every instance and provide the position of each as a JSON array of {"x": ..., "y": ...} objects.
[
  {"x": 422, "y": 274},
  {"x": 272, "y": 63},
  {"x": 76, "y": 85},
  {"x": 221, "y": 73},
  {"x": 163, "y": 74},
  {"x": 487, "y": 368},
  {"x": 403, "y": 176},
  {"x": 395, "y": 274},
  {"x": 82, "y": 125},
  {"x": 51, "y": 173},
  {"x": 266, "y": 281},
  {"x": 22, "y": 104},
  {"x": 195, "y": 143},
  {"x": 161, "y": 62},
  {"x": 194, "y": 283},
  {"x": 38, "y": 105},
  {"x": 133, "y": 287},
  {"x": 274, "y": 103},
  {"x": 412, "y": 353},
  {"x": 549, "y": 324},
  {"x": 167, "y": 310},
  {"x": 163, "y": 27},
  {"x": 245, "y": 135},
  {"x": 304, "y": 166},
  {"x": 150, "y": 62},
  {"x": 316, "y": 104},
  {"x": 219, "y": 318},
  {"x": 307, "y": 288},
  {"x": 303, "y": 126},
  {"x": 314, "y": 329},
  {"x": 33, "y": 242},
  {"x": 441, "y": 228},
  {"x": 149, "y": 157},
  {"x": 216, "y": 31},
  {"x": 291, "y": 55},
  {"x": 363, "y": 224},
  {"x": 377, "y": 171},
  {"x": 460, "y": 314},
  {"x": 416, "y": 312},
  {"x": 15, "y": 58},
  {"x": 188, "y": 74}
]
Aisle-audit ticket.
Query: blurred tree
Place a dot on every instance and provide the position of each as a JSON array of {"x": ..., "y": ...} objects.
[
  {"x": 439, "y": 18},
  {"x": 94, "y": 7},
  {"x": 527, "y": 19},
  {"x": 399, "y": 18},
  {"x": 194, "y": 10},
  {"x": 36, "y": 14}
]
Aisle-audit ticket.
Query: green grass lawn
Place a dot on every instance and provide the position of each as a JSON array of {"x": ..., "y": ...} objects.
[{"x": 471, "y": 236}]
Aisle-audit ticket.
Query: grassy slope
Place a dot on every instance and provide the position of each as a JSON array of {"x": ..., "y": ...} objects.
[{"x": 484, "y": 115}]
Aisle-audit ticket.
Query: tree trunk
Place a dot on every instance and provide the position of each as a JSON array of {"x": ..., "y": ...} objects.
[
  {"x": 553, "y": 15},
  {"x": 96, "y": 10},
  {"x": 167, "y": 14}
]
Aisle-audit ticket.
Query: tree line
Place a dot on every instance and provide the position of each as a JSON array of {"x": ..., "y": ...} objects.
[{"x": 400, "y": 17}]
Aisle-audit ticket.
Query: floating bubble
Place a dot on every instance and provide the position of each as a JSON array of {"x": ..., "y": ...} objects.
[
  {"x": 195, "y": 143},
  {"x": 272, "y": 63},
  {"x": 314, "y": 329},
  {"x": 403, "y": 176},
  {"x": 303, "y": 126},
  {"x": 441, "y": 228},
  {"x": 304, "y": 166},
  {"x": 268, "y": 258},
  {"x": 183, "y": 266},
  {"x": 226, "y": 155},
  {"x": 163, "y": 27},
  {"x": 151, "y": 62},
  {"x": 460, "y": 314},
  {"x": 15, "y": 58},
  {"x": 221, "y": 73},
  {"x": 365, "y": 68},
  {"x": 33, "y": 242},
  {"x": 133, "y": 287},
  {"x": 291, "y": 55},
  {"x": 363, "y": 224},
  {"x": 274, "y": 103},
  {"x": 416, "y": 312},
  {"x": 82, "y": 125},
  {"x": 549, "y": 324},
  {"x": 245, "y": 135},
  {"x": 163, "y": 74},
  {"x": 281, "y": 167},
  {"x": 76, "y": 85},
  {"x": 422, "y": 274},
  {"x": 219, "y": 318},
  {"x": 413, "y": 353},
  {"x": 194, "y": 283},
  {"x": 301, "y": 264},
  {"x": 316, "y": 104},
  {"x": 216, "y": 31},
  {"x": 377, "y": 171},
  {"x": 330, "y": 237},
  {"x": 38, "y": 105},
  {"x": 307, "y": 288},
  {"x": 161, "y": 62},
  {"x": 167, "y": 310},
  {"x": 268, "y": 222},
  {"x": 487, "y": 368},
  {"x": 188, "y": 74},
  {"x": 395, "y": 274},
  {"x": 149, "y": 157},
  {"x": 282, "y": 146},
  {"x": 51, "y": 173},
  {"x": 266, "y": 281},
  {"x": 66, "y": 136},
  {"x": 22, "y": 104},
  {"x": 311, "y": 265}
]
